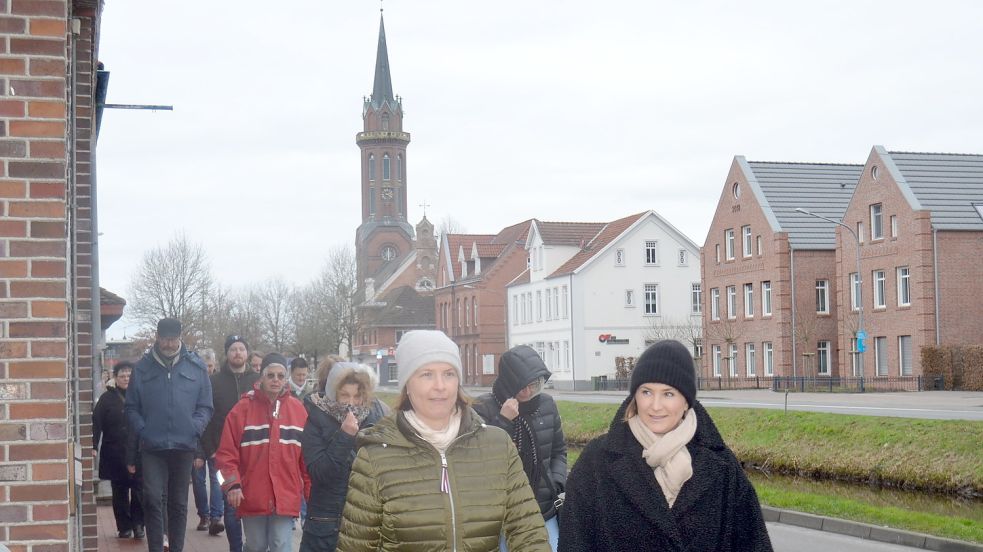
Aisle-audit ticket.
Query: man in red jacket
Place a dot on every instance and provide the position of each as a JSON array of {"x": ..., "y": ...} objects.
[{"x": 261, "y": 462}]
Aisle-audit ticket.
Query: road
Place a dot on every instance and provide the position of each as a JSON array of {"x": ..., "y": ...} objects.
[
  {"x": 939, "y": 405},
  {"x": 789, "y": 538}
]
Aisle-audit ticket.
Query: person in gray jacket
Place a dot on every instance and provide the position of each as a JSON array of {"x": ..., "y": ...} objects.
[
  {"x": 168, "y": 405},
  {"x": 518, "y": 405}
]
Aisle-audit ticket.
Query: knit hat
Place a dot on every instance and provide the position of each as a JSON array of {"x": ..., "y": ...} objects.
[
  {"x": 169, "y": 328},
  {"x": 273, "y": 358},
  {"x": 233, "y": 339},
  {"x": 421, "y": 347},
  {"x": 668, "y": 362}
]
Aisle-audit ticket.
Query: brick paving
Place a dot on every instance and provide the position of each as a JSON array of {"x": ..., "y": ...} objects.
[{"x": 194, "y": 541}]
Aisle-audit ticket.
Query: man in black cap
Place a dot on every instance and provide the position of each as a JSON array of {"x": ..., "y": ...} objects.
[
  {"x": 168, "y": 405},
  {"x": 228, "y": 384}
]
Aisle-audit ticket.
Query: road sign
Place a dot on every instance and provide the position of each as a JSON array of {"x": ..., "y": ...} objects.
[{"x": 861, "y": 336}]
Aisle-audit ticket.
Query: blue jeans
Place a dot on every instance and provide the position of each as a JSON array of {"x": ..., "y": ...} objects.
[
  {"x": 208, "y": 498},
  {"x": 552, "y": 531},
  {"x": 166, "y": 473},
  {"x": 273, "y": 533},
  {"x": 233, "y": 528}
]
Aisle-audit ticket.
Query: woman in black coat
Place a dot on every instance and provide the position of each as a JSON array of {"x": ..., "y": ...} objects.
[
  {"x": 662, "y": 477},
  {"x": 517, "y": 405},
  {"x": 342, "y": 405},
  {"x": 109, "y": 423}
]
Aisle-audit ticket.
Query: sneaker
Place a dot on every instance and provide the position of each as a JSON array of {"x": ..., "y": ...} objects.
[
  {"x": 125, "y": 534},
  {"x": 167, "y": 545},
  {"x": 202, "y": 523},
  {"x": 216, "y": 526},
  {"x": 139, "y": 532}
]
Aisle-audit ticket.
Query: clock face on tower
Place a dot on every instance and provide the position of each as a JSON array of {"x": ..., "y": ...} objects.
[
  {"x": 388, "y": 253},
  {"x": 387, "y": 193}
]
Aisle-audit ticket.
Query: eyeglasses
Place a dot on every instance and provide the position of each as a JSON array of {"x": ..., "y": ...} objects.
[
  {"x": 535, "y": 385},
  {"x": 279, "y": 376}
]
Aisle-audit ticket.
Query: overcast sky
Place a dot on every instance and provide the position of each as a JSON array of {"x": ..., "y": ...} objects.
[{"x": 573, "y": 110}]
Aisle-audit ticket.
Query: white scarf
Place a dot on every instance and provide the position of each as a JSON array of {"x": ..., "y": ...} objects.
[
  {"x": 667, "y": 454},
  {"x": 439, "y": 438}
]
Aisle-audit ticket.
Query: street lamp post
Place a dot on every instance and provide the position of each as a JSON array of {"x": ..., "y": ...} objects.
[{"x": 860, "y": 334}]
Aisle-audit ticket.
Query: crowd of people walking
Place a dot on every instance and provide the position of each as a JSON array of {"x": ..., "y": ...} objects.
[{"x": 268, "y": 448}]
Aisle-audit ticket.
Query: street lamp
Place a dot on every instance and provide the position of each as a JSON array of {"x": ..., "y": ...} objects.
[{"x": 860, "y": 335}]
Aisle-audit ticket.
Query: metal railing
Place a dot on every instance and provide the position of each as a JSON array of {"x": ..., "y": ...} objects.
[{"x": 836, "y": 384}]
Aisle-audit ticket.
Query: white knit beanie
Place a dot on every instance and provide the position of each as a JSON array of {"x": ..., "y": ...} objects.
[{"x": 421, "y": 347}]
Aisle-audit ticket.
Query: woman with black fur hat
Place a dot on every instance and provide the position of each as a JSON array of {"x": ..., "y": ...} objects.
[
  {"x": 662, "y": 477},
  {"x": 517, "y": 405}
]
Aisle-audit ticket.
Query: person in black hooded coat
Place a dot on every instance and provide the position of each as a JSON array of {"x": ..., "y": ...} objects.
[
  {"x": 615, "y": 500},
  {"x": 517, "y": 405}
]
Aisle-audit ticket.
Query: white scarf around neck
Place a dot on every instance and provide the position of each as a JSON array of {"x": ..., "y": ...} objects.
[
  {"x": 667, "y": 454},
  {"x": 439, "y": 438}
]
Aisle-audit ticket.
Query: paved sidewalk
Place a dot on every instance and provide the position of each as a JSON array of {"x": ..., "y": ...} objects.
[{"x": 194, "y": 541}]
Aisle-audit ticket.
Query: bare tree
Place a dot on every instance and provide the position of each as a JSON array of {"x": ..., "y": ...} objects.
[
  {"x": 688, "y": 331},
  {"x": 729, "y": 332},
  {"x": 273, "y": 302},
  {"x": 174, "y": 281},
  {"x": 450, "y": 225},
  {"x": 329, "y": 315}
]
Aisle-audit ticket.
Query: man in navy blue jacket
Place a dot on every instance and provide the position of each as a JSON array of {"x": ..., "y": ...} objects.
[{"x": 168, "y": 405}]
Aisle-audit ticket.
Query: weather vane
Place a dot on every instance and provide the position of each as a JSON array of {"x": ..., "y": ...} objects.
[{"x": 424, "y": 205}]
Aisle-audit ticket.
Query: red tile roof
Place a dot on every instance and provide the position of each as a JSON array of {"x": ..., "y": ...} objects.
[
  {"x": 608, "y": 233},
  {"x": 568, "y": 233},
  {"x": 486, "y": 250}
]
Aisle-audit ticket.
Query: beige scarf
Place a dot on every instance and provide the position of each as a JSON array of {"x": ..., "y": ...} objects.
[
  {"x": 439, "y": 438},
  {"x": 667, "y": 454}
]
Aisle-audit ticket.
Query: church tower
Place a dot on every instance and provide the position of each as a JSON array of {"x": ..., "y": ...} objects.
[{"x": 384, "y": 237}]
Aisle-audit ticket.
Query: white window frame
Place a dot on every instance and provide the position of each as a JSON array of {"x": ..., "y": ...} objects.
[
  {"x": 822, "y": 296},
  {"x": 903, "y": 274},
  {"x": 880, "y": 289},
  {"x": 860, "y": 231},
  {"x": 750, "y": 363},
  {"x": 876, "y": 221},
  {"x": 549, "y": 303},
  {"x": 717, "y": 357},
  {"x": 717, "y": 247},
  {"x": 880, "y": 355},
  {"x": 749, "y": 300},
  {"x": 619, "y": 256},
  {"x": 766, "y": 298},
  {"x": 733, "y": 360},
  {"x": 563, "y": 303},
  {"x": 854, "y": 358},
  {"x": 902, "y": 369},
  {"x": 854, "y": 291},
  {"x": 746, "y": 238},
  {"x": 651, "y": 252},
  {"x": 731, "y": 302},
  {"x": 715, "y": 304},
  {"x": 539, "y": 305},
  {"x": 696, "y": 298},
  {"x": 759, "y": 244},
  {"x": 515, "y": 310},
  {"x": 729, "y": 243},
  {"x": 650, "y": 299},
  {"x": 824, "y": 358},
  {"x": 697, "y": 347},
  {"x": 894, "y": 226},
  {"x": 768, "y": 350}
]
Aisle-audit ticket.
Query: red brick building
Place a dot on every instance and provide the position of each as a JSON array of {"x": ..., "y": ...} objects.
[
  {"x": 473, "y": 271},
  {"x": 49, "y": 294},
  {"x": 769, "y": 273}
]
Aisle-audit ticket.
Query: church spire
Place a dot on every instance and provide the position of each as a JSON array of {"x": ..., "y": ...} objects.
[{"x": 382, "y": 89}]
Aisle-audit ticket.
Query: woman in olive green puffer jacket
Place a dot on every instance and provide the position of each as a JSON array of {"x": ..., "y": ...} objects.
[
  {"x": 395, "y": 500},
  {"x": 432, "y": 477}
]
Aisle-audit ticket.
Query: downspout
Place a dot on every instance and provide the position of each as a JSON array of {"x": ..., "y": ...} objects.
[
  {"x": 73, "y": 311},
  {"x": 102, "y": 84},
  {"x": 791, "y": 268},
  {"x": 935, "y": 266}
]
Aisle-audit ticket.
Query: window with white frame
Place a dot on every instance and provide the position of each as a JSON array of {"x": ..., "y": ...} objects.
[
  {"x": 894, "y": 226},
  {"x": 651, "y": 252},
  {"x": 566, "y": 356},
  {"x": 879, "y": 290},
  {"x": 854, "y": 358},
  {"x": 823, "y": 358},
  {"x": 697, "y": 347},
  {"x": 652, "y": 299},
  {"x": 822, "y": 296},
  {"x": 880, "y": 355},
  {"x": 683, "y": 257},
  {"x": 619, "y": 256},
  {"x": 733, "y": 360},
  {"x": 715, "y": 351},
  {"x": 563, "y": 302},
  {"x": 549, "y": 303},
  {"x": 860, "y": 231},
  {"x": 749, "y": 361},
  {"x": 749, "y": 300},
  {"x": 760, "y": 248},
  {"x": 529, "y": 305},
  {"x": 904, "y": 286},
  {"x": 766, "y": 298},
  {"x": 746, "y": 238},
  {"x": 769, "y": 354},
  {"x": 717, "y": 247},
  {"x": 731, "y": 302},
  {"x": 904, "y": 354},
  {"x": 729, "y": 243},
  {"x": 556, "y": 303},
  {"x": 714, "y": 304},
  {"x": 629, "y": 298},
  {"x": 854, "y": 291},
  {"x": 876, "y": 222},
  {"x": 539, "y": 305},
  {"x": 515, "y": 310},
  {"x": 696, "y": 298}
]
